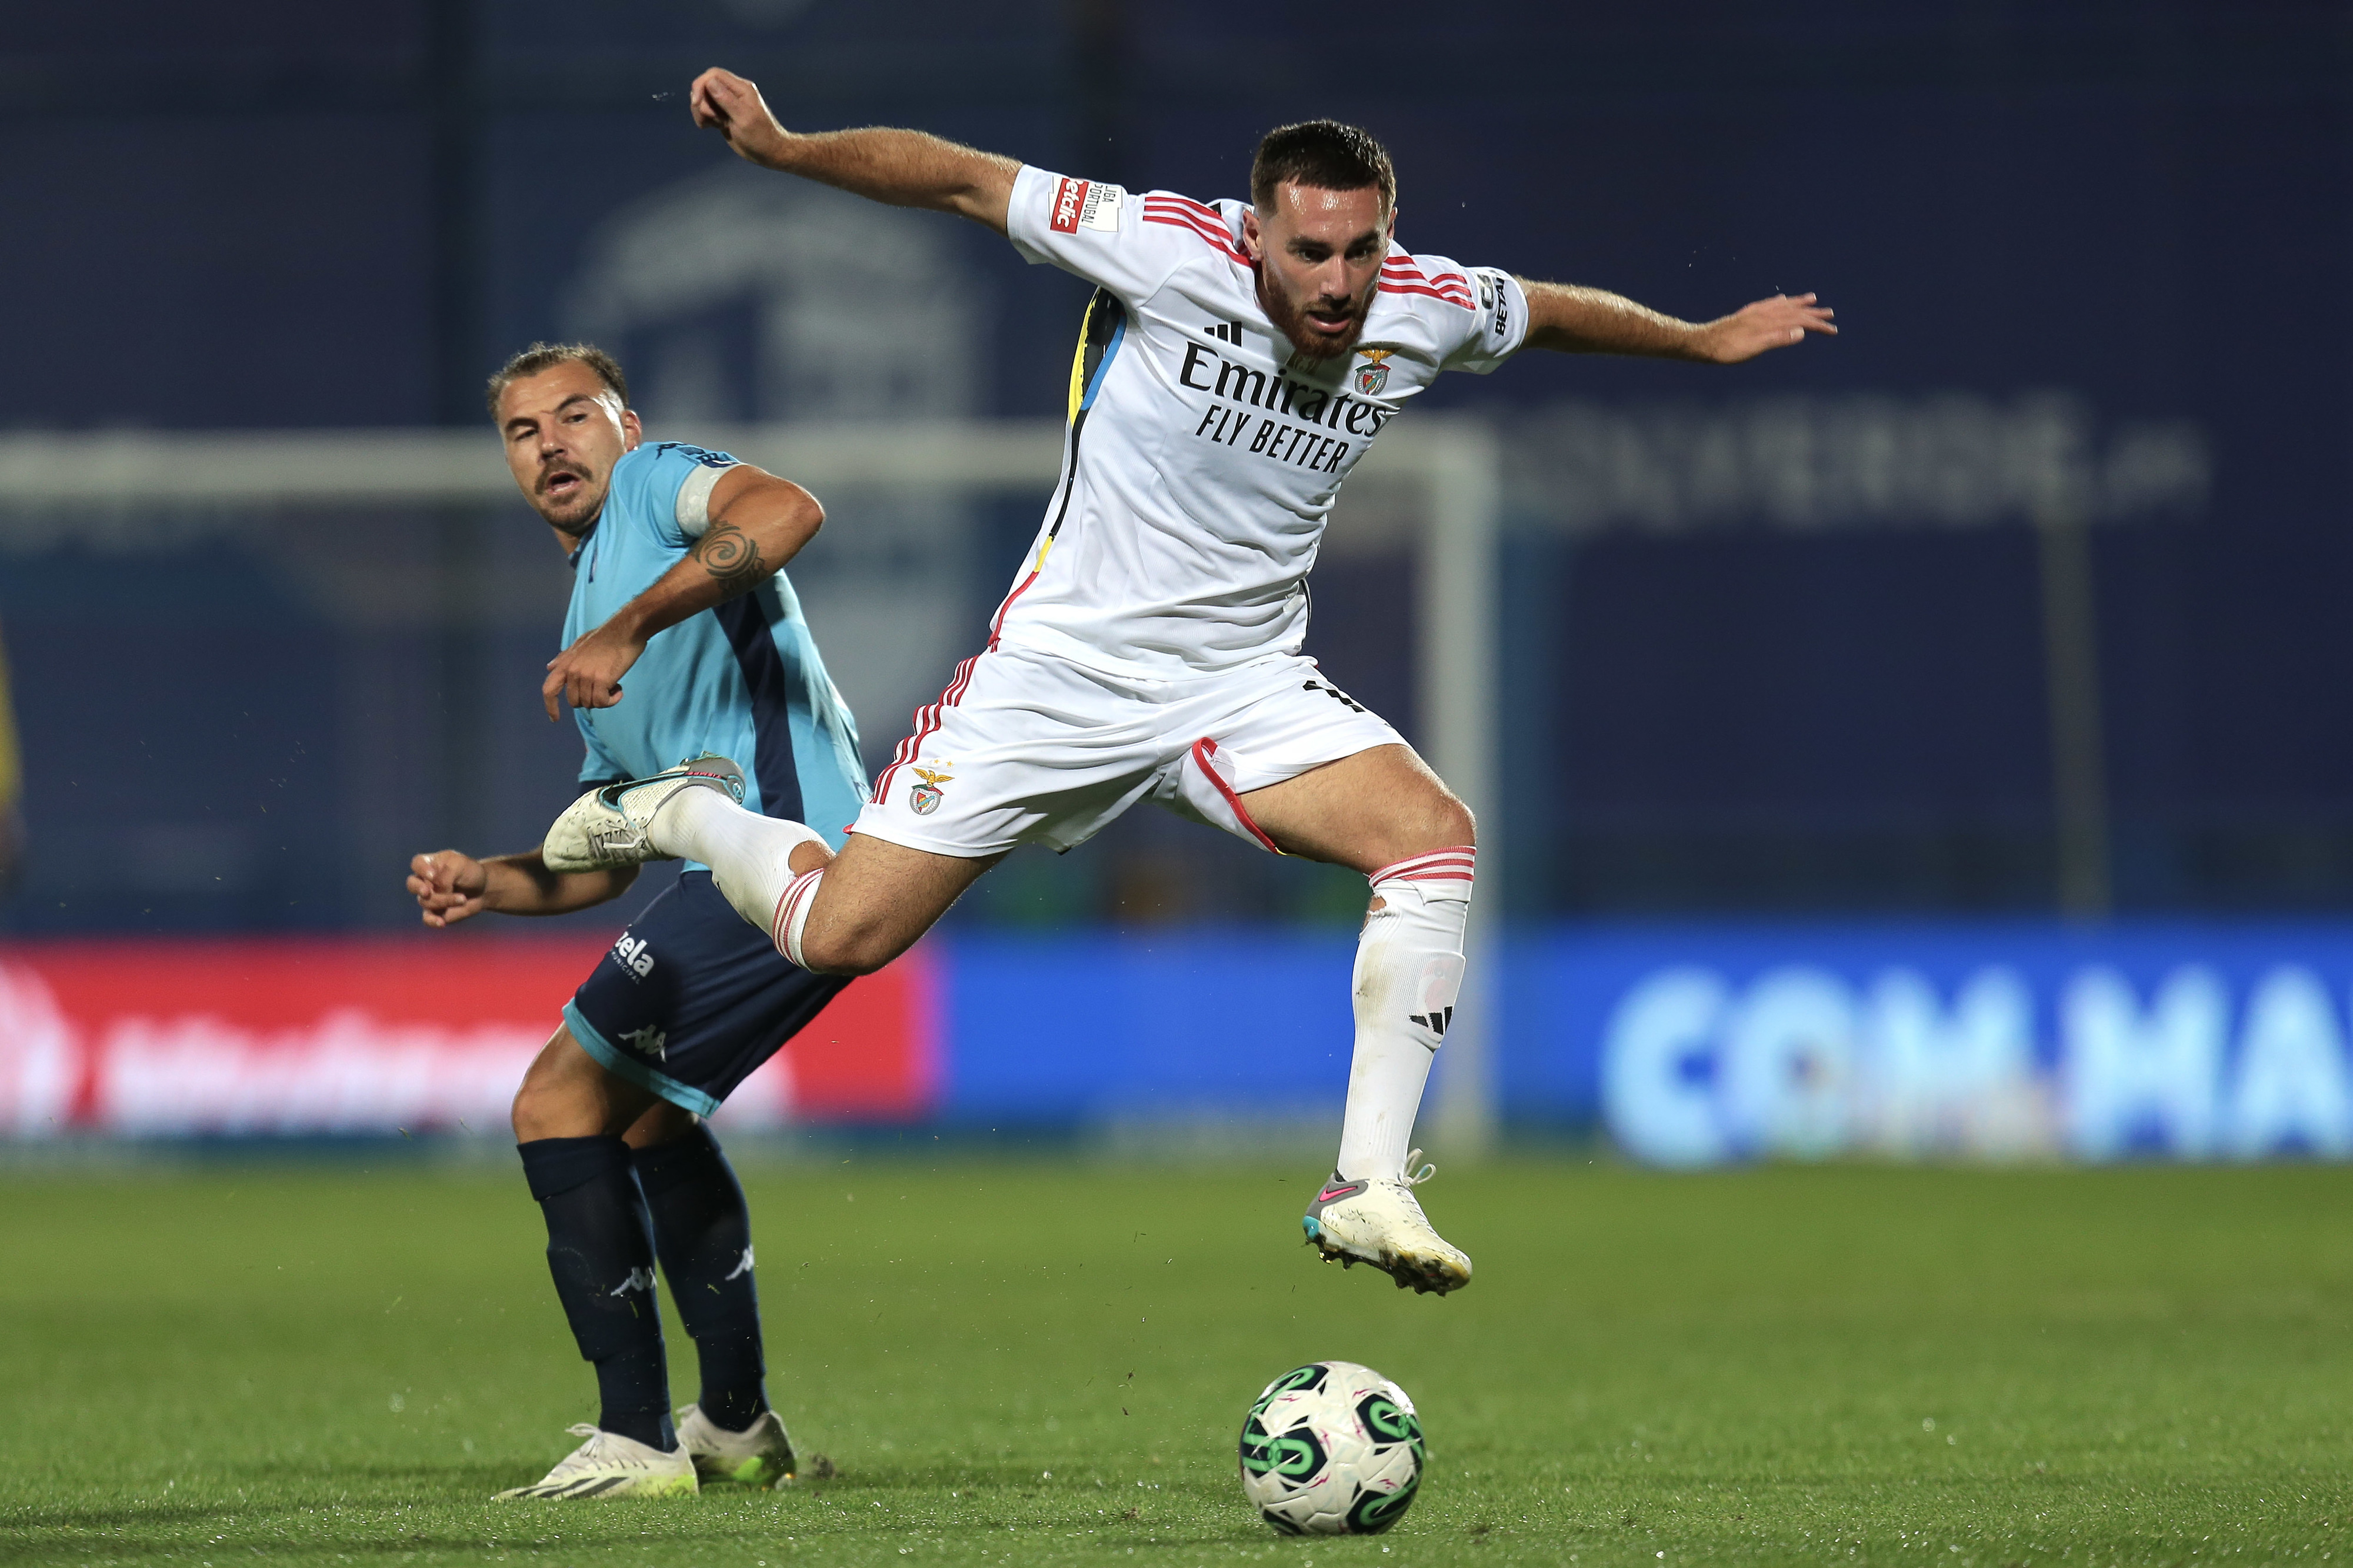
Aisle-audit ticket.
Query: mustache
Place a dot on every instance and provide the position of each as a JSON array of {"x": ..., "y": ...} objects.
[{"x": 548, "y": 473}]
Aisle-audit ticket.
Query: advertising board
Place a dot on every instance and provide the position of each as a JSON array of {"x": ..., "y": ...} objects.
[
  {"x": 255, "y": 1037},
  {"x": 1687, "y": 1045},
  {"x": 1698, "y": 1045}
]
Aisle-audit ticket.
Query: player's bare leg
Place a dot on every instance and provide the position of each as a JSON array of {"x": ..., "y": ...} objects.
[
  {"x": 846, "y": 914},
  {"x": 1383, "y": 812},
  {"x": 1364, "y": 812},
  {"x": 567, "y": 1093},
  {"x": 849, "y": 913},
  {"x": 870, "y": 904}
]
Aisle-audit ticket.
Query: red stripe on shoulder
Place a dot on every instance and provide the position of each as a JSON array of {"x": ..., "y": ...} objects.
[
  {"x": 1408, "y": 269},
  {"x": 1213, "y": 233},
  {"x": 1451, "y": 296},
  {"x": 1173, "y": 199},
  {"x": 1216, "y": 239},
  {"x": 1190, "y": 215},
  {"x": 1187, "y": 216}
]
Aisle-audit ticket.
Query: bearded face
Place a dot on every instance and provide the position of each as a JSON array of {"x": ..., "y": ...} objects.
[{"x": 1319, "y": 257}]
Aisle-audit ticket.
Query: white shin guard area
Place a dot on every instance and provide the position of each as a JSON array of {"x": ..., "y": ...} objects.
[
  {"x": 750, "y": 856},
  {"x": 1409, "y": 972}
]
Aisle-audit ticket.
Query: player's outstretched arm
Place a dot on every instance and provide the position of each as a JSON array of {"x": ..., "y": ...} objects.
[
  {"x": 904, "y": 168},
  {"x": 451, "y": 887},
  {"x": 1572, "y": 319},
  {"x": 758, "y": 522}
]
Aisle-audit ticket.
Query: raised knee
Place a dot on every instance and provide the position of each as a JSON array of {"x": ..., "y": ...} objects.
[
  {"x": 847, "y": 946},
  {"x": 1446, "y": 824},
  {"x": 852, "y": 952},
  {"x": 533, "y": 1111},
  {"x": 555, "y": 1103}
]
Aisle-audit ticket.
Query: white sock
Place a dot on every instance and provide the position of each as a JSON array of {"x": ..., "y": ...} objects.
[
  {"x": 1409, "y": 971},
  {"x": 750, "y": 856},
  {"x": 793, "y": 913}
]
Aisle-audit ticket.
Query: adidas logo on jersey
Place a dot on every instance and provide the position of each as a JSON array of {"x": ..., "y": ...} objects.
[
  {"x": 632, "y": 954},
  {"x": 1336, "y": 694}
]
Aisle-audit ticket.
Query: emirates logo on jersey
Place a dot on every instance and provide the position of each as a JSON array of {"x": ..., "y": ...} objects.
[{"x": 1374, "y": 374}]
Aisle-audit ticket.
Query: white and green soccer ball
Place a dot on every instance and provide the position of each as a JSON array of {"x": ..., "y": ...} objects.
[{"x": 1331, "y": 1448}]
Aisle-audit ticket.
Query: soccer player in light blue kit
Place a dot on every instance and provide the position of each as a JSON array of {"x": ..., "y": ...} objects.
[{"x": 676, "y": 554}]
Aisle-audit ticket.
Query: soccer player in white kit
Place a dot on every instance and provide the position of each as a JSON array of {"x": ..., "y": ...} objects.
[{"x": 1237, "y": 360}]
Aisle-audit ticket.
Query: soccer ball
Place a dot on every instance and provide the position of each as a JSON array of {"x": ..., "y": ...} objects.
[{"x": 1331, "y": 1448}]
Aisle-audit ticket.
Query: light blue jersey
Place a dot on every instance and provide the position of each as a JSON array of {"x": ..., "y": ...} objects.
[{"x": 742, "y": 680}]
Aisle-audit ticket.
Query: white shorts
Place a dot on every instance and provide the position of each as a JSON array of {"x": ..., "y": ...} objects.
[{"x": 1026, "y": 748}]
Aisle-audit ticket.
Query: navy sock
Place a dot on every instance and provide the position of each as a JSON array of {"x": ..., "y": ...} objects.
[
  {"x": 600, "y": 1249},
  {"x": 703, "y": 1233}
]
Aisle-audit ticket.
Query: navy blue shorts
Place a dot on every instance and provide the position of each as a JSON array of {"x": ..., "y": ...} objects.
[{"x": 693, "y": 998}]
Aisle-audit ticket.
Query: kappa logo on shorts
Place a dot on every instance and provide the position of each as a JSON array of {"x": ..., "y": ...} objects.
[
  {"x": 648, "y": 1042},
  {"x": 924, "y": 798},
  {"x": 634, "y": 955}
]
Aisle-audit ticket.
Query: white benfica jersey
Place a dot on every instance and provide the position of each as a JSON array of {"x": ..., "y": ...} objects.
[{"x": 1204, "y": 455}]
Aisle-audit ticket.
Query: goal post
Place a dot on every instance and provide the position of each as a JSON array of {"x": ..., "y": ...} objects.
[{"x": 1454, "y": 464}]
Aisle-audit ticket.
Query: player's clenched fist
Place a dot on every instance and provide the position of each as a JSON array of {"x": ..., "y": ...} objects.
[
  {"x": 448, "y": 886},
  {"x": 589, "y": 673},
  {"x": 727, "y": 103}
]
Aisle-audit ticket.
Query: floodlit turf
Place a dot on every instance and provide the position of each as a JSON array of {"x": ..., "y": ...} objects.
[{"x": 1047, "y": 1363}]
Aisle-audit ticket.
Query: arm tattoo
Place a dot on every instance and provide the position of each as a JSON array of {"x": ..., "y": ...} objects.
[{"x": 733, "y": 559}]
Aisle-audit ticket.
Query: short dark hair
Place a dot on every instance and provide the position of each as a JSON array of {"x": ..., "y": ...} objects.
[
  {"x": 1324, "y": 154},
  {"x": 547, "y": 356}
]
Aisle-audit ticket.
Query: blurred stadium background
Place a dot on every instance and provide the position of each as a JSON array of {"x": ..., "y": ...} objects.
[{"x": 1929, "y": 741}]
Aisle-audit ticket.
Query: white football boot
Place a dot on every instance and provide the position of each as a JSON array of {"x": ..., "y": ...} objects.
[
  {"x": 1379, "y": 1222},
  {"x": 609, "y": 827},
  {"x": 609, "y": 1464},
  {"x": 759, "y": 1455}
]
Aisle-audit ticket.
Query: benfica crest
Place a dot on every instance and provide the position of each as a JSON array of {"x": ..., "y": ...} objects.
[
  {"x": 1373, "y": 375},
  {"x": 926, "y": 796}
]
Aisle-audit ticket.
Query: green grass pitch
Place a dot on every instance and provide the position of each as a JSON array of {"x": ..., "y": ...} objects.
[{"x": 1047, "y": 1363}]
